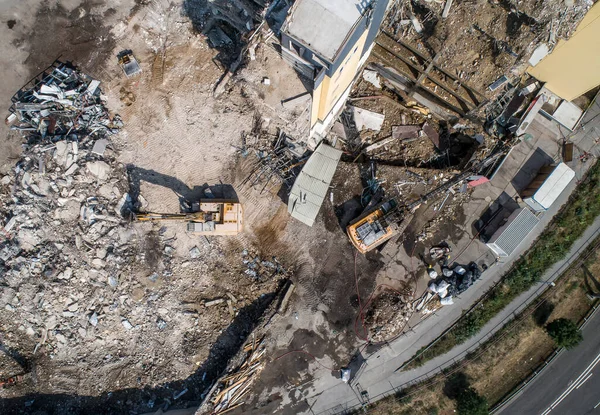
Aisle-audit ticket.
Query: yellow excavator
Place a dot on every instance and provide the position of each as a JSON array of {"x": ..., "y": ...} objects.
[
  {"x": 210, "y": 217},
  {"x": 375, "y": 227}
]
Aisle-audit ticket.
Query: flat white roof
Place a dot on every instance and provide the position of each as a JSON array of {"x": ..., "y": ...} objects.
[
  {"x": 554, "y": 185},
  {"x": 323, "y": 25}
]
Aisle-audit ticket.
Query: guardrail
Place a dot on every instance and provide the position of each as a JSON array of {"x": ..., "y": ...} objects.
[
  {"x": 538, "y": 370},
  {"x": 359, "y": 403}
]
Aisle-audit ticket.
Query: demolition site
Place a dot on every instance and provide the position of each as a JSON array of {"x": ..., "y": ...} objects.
[{"x": 236, "y": 206}]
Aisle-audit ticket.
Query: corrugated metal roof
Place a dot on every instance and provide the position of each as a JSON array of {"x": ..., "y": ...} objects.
[
  {"x": 311, "y": 185},
  {"x": 554, "y": 185},
  {"x": 506, "y": 239}
]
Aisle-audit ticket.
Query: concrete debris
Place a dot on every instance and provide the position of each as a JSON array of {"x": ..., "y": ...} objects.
[
  {"x": 372, "y": 77},
  {"x": 99, "y": 169},
  {"x": 195, "y": 252},
  {"x": 367, "y": 120},
  {"x": 214, "y": 302},
  {"x": 446, "y": 10},
  {"x": 434, "y": 136},
  {"x": 405, "y": 131},
  {"x": 416, "y": 24},
  {"x": 100, "y": 147},
  {"x": 259, "y": 269},
  {"x": 539, "y": 53},
  {"x": 126, "y": 324}
]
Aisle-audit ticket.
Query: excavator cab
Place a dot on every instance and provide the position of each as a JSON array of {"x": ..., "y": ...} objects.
[{"x": 370, "y": 231}]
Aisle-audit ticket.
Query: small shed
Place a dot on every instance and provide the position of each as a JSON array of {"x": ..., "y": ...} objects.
[
  {"x": 508, "y": 237},
  {"x": 311, "y": 185}
]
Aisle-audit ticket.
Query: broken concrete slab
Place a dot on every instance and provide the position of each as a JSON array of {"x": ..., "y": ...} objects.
[
  {"x": 538, "y": 54},
  {"x": 434, "y": 136},
  {"x": 99, "y": 169},
  {"x": 405, "y": 131},
  {"x": 372, "y": 77},
  {"x": 100, "y": 147},
  {"x": 214, "y": 302},
  {"x": 367, "y": 120}
]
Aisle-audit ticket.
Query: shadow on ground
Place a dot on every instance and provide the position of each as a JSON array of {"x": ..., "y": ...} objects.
[{"x": 137, "y": 175}]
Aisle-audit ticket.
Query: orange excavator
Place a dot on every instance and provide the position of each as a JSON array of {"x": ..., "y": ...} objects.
[{"x": 375, "y": 227}]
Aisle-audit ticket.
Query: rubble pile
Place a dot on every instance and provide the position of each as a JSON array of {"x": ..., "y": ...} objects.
[
  {"x": 481, "y": 41},
  {"x": 230, "y": 390},
  {"x": 445, "y": 209},
  {"x": 62, "y": 104},
  {"x": 388, "y": 315},
  {"x": 259, "y": 269},
  {"x": 83, "y": 286}
]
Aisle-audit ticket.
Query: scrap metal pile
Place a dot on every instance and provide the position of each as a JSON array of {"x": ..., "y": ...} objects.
[
  {"x": 236, "y": 385},
  {"x": 62, "y": 103}
]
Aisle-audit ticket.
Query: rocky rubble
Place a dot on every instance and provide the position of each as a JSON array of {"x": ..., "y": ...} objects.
[{"x": 84, "y": 287}]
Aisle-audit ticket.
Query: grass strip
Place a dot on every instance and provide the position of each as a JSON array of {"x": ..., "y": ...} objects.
[{"x": 554, "y": 243}]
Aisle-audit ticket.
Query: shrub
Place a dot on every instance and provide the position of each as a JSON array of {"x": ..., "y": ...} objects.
[
  {"x": 469, "y": 402},
  {"x": 564, "y": 332}
]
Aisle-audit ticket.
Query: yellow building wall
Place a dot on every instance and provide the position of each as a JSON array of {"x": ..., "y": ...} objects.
[
  {"x": 573, "y": 67},
  {"x": 331, "y": 88}
]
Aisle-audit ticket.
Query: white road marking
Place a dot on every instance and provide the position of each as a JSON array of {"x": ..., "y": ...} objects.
[
  {"x": 574, "y": 385},
  {"x": 596, "y": 405},
  {"x": 584, "y": 380}
]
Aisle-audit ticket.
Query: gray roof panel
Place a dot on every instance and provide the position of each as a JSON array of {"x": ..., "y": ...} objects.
[{"x": 311, "y": 185}]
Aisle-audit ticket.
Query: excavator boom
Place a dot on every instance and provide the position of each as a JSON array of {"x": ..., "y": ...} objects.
[{"x": 215, "y": 217}]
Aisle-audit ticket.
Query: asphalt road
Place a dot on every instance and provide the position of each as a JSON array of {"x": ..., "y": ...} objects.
[{"x": 568, "y": 385}]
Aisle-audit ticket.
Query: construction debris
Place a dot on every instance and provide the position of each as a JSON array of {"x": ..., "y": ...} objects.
[
  {"x": 372, "y": 77},
  {"x": 230, "y": 391},
  {"x": 367, "y": 120},
  {"x": 62, "y": 104}
]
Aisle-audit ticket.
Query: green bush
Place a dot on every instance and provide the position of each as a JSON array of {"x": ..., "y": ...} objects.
[
  {"x": 564, "y": 332},
  {"x": 469, "y": 402},
  {"x": 552, "y": 245}
]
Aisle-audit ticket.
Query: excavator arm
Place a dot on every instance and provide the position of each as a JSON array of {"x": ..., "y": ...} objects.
[{"x": 187, "y": 217}]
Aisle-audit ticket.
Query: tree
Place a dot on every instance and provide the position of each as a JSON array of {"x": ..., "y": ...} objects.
[
  {"x": 469, "y": 402},
  {"x": 564, "y": 332}
]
